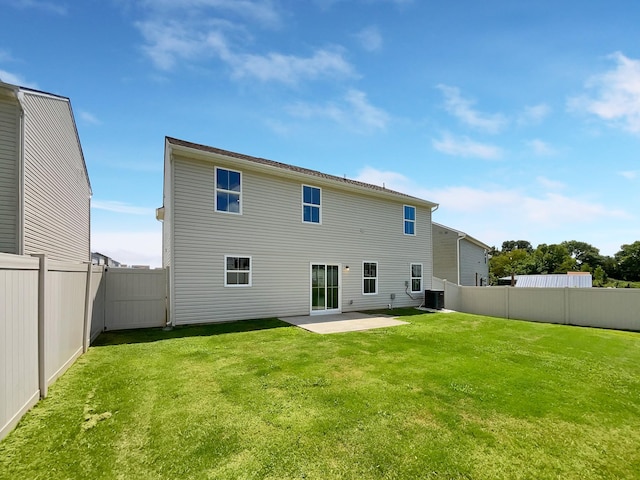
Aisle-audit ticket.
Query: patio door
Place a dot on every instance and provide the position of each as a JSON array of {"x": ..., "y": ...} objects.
[{"x": 325, "y": 288}]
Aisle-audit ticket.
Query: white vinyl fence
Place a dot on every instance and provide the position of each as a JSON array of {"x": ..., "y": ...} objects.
[
  {"x": 49, "y": 313},
  {"x": 615, "y": 308}
]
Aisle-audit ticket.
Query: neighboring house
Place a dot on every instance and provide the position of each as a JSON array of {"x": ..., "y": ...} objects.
[
  {"x": 45, "y": 193},
  {"x": 459, "y": 258},
  {"x": 98, "y": 258},
  {"x": 246, "y": 237},
  {"x": 559, "y": 280}
]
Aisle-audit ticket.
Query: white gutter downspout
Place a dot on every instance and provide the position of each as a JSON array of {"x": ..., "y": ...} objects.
[
  {"x": 460, "y": 237},
  {"x": 20, "y": 226}
]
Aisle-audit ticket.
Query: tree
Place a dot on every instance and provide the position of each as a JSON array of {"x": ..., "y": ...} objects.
[
  {"x": 584, "y": 254},
  {"x": 510, "y": 245},
  {"x": 599, "y": 276},
  {"x": 553, "y": 259},
  {"x": 517, "y": 262},
  {"x": 628, "y": 259}
]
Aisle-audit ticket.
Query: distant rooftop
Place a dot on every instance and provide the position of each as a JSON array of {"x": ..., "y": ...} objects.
[{"x": 559, "y": 280}]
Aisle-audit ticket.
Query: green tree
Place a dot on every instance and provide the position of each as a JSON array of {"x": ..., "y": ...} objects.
[
  {"x": 628, "y": 259},
  {"x": 553, "y": 259},
  {"x": 584, "y": 254},
  {"x": 599, "y": 276},
  {"x": 510, "y": 245},
  {"x": 517, "y": 262}
]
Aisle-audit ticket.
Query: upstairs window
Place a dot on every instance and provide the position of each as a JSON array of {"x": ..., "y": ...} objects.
[
  {"x": 369, "y": 278},
  {"x": 237, "y": 271},
  {"x": 416, "y": 277},
  {"x": 311, "y": 204},
  {"x": 228, "y": 191},
  {"x": 409, "y": 220}
]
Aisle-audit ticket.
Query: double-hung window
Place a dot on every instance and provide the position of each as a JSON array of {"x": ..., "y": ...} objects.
[
  {"x": 228, "y": 191},
  {"x": 416, "y": 277},
  {"x": 409, "y": 220},
  {"x": 369, "y": 278},
  {"x": 237, "y": 271},
  {"x": 311, "y": 204}
]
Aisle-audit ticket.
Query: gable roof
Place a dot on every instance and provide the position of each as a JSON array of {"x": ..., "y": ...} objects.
[
  {"x": 17, "y": 91},
  {"x": 464, "y": 235},
  {"x": 294, "y": 170}
]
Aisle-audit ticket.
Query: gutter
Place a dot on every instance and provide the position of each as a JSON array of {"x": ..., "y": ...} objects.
[{"x": 460, "y": 237}]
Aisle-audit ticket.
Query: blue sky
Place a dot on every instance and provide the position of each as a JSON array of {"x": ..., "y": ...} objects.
[{"x": 521, "y": 119}]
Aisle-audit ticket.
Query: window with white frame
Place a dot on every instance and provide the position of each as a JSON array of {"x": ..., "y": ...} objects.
[
  {"x": 416, "y": 277},
  {"x": 311, "y": 204},
  {"x": 228, "y": 191},
  {"x": 369, "y": 278},
  {"x": 409, "y": 220},
  {"x": 237, "y": 271}
]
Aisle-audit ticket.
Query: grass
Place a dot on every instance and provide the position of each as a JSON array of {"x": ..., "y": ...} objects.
[{"x": 450, "y": 396}]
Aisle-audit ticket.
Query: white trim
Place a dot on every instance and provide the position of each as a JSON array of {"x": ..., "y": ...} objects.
[
  {"x": 250, "y": 272},
  {"x": 313, "y": 205},
  {"x": 411, "y": 277},
  {"x": 325, "y": 311},
  {"x": 376, "y": 278},
  {"x": 216, "y": 189},
  {"x": 404, "y": 220}
]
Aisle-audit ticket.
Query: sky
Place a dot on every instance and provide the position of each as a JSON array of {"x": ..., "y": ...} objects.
[{"x": 521, "y": 119}]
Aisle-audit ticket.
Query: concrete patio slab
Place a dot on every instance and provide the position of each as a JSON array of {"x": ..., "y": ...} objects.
[{"x": 342, "y": 322}]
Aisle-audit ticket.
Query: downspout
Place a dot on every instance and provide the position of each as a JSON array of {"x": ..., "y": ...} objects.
[
  {"x": 460, "y": 237},
  {"x": 20, "y": 220}
]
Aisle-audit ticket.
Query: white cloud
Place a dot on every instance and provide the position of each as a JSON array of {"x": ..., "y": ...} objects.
[
  {"x": 616, "y": 95},
  {"x": 15, "y": 79},
  {"x": 355, "y": 113},
  {"x": 121, "y": 207},
  {"x": 51, "y": 7},
  {"x": 290, "y": 68},
  {"x": 169, "y": 42},
  {"x": 262, "y": 12},
  {"x": 550, "y": 184},
  {"x": 630, "y": 174},
  {"x": 462, "y": 109},
  {"x": 540, "y": 148},
  {"x": 465, "y": 147},
  {"x": 130, "y": 248},
  {"x": 89, "y": 118},
  {"x": 499, "y": 213},
  {"x": 370, "y": 39},
  {"x": 533, "y": 115}
]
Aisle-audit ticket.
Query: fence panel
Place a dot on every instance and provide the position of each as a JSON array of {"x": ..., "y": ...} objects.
[
  {"x": 135, "y": 298},
  {"x": 484, "y": 301},
  {"x": 65, "y": 294},
  {"x": 19, "y": 388},
  {"x": 97, "y": 295},
  {"x": 537, "y": 304},
  {"x": 617, "y": 308}
]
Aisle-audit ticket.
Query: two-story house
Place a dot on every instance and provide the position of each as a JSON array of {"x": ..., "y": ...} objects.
[
  {"x": 459, "y": 257},
  {"x": 246, "y": 237},
  {"x": 45, "y": 194}
]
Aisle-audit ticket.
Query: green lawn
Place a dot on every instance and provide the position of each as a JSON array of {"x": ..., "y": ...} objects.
[{"x": 447, "y": 396}]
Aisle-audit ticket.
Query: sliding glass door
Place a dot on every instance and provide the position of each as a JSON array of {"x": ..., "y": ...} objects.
[{"x": 325, "y": 288}]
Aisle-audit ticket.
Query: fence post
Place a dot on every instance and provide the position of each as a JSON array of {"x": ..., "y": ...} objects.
[
  {"x": 566, "y": 305},
  {"x": 42, "y": 312},
  {"x": 88, "y": 310},
  {"x": 507, "y": 307}
]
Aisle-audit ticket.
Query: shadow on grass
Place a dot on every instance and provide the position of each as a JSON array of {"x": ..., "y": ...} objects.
[
  {"x": 397, "y": 312},
  {"x": 147, "y": 335}
]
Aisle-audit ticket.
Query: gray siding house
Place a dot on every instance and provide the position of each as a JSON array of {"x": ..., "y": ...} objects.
[
  {"x": 45, "y": 192},
  {"x": 246, "y": 237},
  {"x": 459, "y": 258}
]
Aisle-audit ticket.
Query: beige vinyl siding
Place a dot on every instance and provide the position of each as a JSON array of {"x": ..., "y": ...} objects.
[
  {"x": 56, "y": 190},
  {"x": 355, "y": 227},
  {"x": 9, "y": 174},
  {"x": 472, "y": 262},
  {"x": 445, "y": 256}
]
